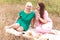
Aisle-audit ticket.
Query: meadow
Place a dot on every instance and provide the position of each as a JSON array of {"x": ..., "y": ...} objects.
[{"x": 9, "y": 10}]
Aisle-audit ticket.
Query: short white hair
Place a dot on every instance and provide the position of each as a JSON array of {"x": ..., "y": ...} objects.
[{"x": 28, "y": 4}]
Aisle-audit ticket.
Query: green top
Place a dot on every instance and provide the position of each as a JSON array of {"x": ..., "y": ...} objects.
[{"x": 25, "y": 19}]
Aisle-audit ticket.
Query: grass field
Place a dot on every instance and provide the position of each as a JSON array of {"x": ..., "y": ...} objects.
[
  {"x": 53, "y": 6},
  {"x": 9, "y": 10}
]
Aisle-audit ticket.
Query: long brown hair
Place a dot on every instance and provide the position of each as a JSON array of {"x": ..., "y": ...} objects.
[{"x": 42, "y": 8}]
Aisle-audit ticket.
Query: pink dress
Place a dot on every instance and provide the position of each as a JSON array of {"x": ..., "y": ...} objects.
[{"x": 43, "y": 28}]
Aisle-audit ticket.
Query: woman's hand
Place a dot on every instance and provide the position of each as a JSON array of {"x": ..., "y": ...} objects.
[
  {"x": 41, "y": 19},
  {"x": 33, "y": 26}
]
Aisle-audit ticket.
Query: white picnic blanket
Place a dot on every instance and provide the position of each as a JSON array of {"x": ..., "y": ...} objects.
[
  {"x": 55, "y": 36},
  {"x": 31, "y": 33}
]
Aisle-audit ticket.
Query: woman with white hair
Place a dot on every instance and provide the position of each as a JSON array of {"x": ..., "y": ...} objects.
[{"x": 24, "y": 19}]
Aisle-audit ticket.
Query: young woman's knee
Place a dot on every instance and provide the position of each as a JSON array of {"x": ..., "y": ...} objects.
[
  {"x": 15, "y": 26},
  {"x": 20, "y": 29}
]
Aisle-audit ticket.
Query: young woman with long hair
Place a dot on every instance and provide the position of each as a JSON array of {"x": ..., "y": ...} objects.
[{"x": 43, "y": 23}]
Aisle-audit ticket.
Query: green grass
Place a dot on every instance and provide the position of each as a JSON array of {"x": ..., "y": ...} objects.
[
  {"x": 53, "y": 6},
  {"x": 18, "y": 1}
]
